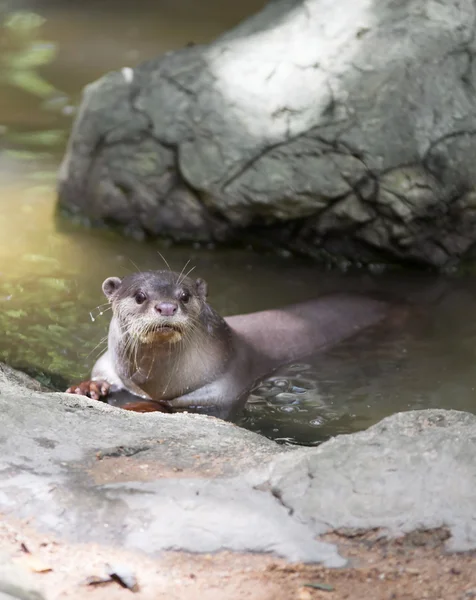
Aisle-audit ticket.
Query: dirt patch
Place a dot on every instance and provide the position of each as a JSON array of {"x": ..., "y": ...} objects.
[
  {"x": 410, "y": 568},
  {"x": 157, "y": 460},
  {"x": 146, "y": 467}
]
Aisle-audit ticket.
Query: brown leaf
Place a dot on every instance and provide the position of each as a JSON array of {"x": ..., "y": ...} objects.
[{"x": 96, "y": 580}]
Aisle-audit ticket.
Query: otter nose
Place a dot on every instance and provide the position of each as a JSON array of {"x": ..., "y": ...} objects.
[{"x": 166, "y": 309}]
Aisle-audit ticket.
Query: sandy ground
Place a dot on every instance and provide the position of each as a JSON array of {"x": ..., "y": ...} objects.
[{"x": 412, "y": 568}]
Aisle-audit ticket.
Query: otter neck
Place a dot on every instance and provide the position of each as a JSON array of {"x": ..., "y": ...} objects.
[{"x": 160, "y": 368}]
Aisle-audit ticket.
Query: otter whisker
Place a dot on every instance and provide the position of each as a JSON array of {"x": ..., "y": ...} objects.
[
  {"x": 130, "y": 348},
  {"x": 100, "y": 343},
  {"x": 103, "y": 304},
  {"x": 134, "y": 264},
  {"x": 172, "y": 373},
  {"x": 164, "y": 259},
  {"x": 187, "y": 274},
  {"x": 179, "y": 281},
  {"x": 177, "y": 356}
]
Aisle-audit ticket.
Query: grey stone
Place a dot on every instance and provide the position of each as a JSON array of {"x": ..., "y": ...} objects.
[
  {"x": 89, "y": 472},
  {"x": 411, "y": 471},
  {"x": 344, "y": 129}
]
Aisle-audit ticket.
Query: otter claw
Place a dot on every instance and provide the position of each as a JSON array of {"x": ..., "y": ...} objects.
[{"x": 92, "y": 389}]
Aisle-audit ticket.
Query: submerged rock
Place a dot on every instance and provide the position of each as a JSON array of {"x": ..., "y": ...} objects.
[{"x": 343, "y": 131}]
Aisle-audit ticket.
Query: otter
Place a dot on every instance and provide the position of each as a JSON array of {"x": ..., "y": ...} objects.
[{"x": 168, "y": 349}]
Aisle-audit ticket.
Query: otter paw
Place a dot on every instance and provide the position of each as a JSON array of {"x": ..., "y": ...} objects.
[
  {"x": 92, "y": 389},
  {"x": 143, "y": 406}
]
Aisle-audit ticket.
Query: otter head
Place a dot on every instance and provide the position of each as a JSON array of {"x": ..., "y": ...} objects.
[{"x": 156, "y": 306}]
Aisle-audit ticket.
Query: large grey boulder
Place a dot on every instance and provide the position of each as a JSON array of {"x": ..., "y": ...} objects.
[
  {"x": 411, "y": 471},
  {"x": 152, "y": 482},
  {"x": 93, "y": 473},
  {"x": 341, "y": 129}
]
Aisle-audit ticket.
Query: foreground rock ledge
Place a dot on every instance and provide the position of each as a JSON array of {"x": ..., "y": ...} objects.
[
  {"x": 92, "y": 473},
  {"x": 342, "y": 131}
]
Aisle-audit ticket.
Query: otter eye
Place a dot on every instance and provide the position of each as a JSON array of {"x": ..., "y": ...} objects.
[
  {"x": 184, "y": 296},
  {"x": 140, "y": 297}
]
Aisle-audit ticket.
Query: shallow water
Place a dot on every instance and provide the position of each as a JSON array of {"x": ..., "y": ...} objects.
[{"x": 51, "y": 271}]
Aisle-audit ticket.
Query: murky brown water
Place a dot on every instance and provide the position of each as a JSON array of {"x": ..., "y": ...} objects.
[{"x": 51, "y": 271}]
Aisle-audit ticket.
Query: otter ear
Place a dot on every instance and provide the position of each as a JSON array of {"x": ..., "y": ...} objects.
[
  {"x": 110, "y": 286},
  {"x": 202, "y": 288}
]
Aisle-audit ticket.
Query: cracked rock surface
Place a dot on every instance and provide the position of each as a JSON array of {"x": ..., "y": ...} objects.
[
  {"x": 91, "y": 473},
  {"x": 339, "y": 132},
  {"x": 412, "y": 471}
]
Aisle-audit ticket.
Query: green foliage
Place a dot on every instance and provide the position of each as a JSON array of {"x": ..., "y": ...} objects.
[
  {"x": 23, "y": 155},
  {"x": 50, "y": 137},
  {"x": 28, "y": 80},
  {"x": 36, "y": 54},
  {"x": 45, "y": 326},
  {"x": 25, "y": 53},
  {"x": 23, "y": 22}
]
